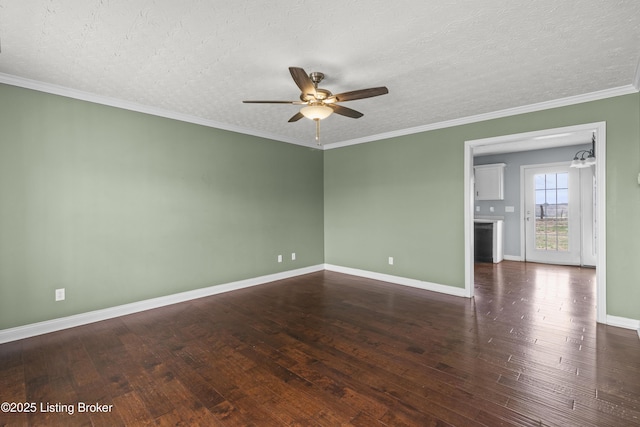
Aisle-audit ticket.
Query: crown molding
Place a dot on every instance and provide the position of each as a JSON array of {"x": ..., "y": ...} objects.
[
  {"x": 133, "y": 106},
  {"x": 140, "y": 108},
  {"x": 562, "y": 102},
  {"x": 636, "y": 78}
]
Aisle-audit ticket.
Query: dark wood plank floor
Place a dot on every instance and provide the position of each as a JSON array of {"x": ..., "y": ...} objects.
[{"x": 330, "y": 349}]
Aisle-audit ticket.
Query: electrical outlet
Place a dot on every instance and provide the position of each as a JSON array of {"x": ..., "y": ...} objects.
[
  {"x": 390, "y": 260},
  {"x": 477, "y": 208},
  {"x": 293, "y": 256},
  {"x": 279, "y": 258},
  {"x": 60, "y": 296}
]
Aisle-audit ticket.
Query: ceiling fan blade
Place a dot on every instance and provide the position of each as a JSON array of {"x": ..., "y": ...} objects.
[
  {"x": 344, "y": 111},
  {"x": 303, "y": 81},
  {"x": 274, "y": 102},
  {"x": 362, "y": 93},
  {"x": 296, "y": 117}
]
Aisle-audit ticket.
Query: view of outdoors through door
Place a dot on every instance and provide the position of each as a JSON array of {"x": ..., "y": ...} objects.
[
  {"x": 552, "y": 211},
  {"x": 562, "y": 209},
  {"x": 552, "y": 206}
]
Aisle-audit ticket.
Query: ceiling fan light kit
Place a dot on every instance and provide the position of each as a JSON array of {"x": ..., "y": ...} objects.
[
  {"x": 316, "y": 112},
  {"x": 321, "y": 103}
]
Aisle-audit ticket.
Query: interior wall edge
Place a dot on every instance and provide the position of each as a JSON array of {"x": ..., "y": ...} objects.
[
  {"x": 45, "y": 87},
  {"x": 509, "y": 112},
  {"x": 67, "y": 92},
  {"x": 45, "y": 327},
  {"x": 398, "y": 280},
  {"x": 623, "y": 322}
]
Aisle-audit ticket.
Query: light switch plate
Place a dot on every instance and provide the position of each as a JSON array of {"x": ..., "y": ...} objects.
[{"x": 509, "y": 209}]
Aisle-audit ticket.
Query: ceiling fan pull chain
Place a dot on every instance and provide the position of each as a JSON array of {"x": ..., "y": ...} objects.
[{"x": 317, "y": 130}]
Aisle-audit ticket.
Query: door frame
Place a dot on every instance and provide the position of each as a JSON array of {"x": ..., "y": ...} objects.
[{"x": 600, "y": 215}]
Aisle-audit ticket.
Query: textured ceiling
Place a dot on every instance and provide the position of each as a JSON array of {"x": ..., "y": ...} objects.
[{"x": 440, "y": 60}]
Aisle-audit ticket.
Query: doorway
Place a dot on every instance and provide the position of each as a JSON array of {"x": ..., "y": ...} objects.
[{"x": 531, "y": 141}]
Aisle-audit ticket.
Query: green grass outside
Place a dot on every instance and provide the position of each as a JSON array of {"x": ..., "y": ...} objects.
[{"x": 552, "y": 234}]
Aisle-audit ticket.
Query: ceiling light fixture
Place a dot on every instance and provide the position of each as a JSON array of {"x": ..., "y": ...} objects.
[
  {"x": 585, "y": 158},
  {"x": 316, "y": 112}
]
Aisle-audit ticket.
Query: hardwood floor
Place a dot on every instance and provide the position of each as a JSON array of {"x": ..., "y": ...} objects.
[{"x": 330, "y": 349}]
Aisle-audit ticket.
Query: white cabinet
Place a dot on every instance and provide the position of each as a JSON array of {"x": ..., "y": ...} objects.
[{"x": 489, "y": 181}]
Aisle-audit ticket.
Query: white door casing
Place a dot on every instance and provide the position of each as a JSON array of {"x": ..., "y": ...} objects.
[
  {"x": 529, "y": 139},
  {"x": 589, "y": 226}
]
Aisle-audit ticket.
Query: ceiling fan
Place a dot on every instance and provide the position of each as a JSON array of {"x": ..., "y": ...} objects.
[{"x": 321, "y": 103}]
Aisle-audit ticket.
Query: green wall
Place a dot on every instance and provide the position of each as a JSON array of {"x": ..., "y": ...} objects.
[
  {"x": 117, "y": 206},
  {"x": 403, "y": 197}
]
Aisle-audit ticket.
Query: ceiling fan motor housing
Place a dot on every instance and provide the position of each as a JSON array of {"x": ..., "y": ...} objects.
[{"x": 320, "y": 95}]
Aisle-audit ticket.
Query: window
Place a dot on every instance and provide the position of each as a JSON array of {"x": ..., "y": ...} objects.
[{"x": 552, "y": 212}]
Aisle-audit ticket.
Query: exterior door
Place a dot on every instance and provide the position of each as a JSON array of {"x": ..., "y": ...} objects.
[{"x": 552, "y": 214}]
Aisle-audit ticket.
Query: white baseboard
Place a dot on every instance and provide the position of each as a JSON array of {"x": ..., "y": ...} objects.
[
  {"x": 53, "y": 325},
  {"x": 623, "y": 322},
  {"x": 34, "y": 329},
  {"x": 512, "y": 258},
  {"x": 414, "y": 283}
]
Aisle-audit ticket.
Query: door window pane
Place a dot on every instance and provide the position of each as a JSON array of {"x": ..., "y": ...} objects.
[
  {"x": 550, "y": 180},
  {"x": 552, "y": 211},
  {"x": 563, "y": 180}
]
